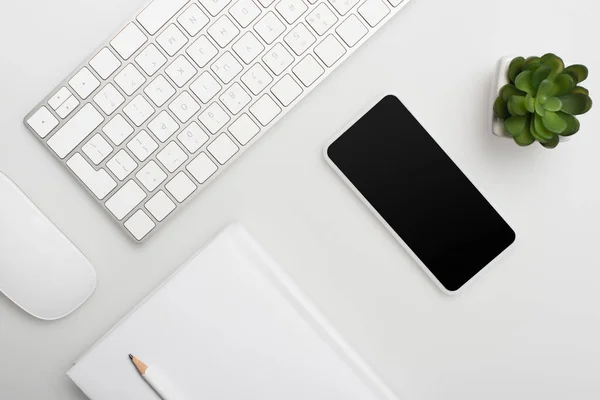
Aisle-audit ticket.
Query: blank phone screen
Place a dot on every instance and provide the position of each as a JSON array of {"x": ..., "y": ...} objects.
[{"x": 422, "y": 195}]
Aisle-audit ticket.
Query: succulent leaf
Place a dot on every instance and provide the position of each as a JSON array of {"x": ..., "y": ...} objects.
[
  {"x": 541, "y": 131},
  {"x": 578, "y": 72},
  {"x": 576, "y": 104},
  {"x": 539, "y": 75},
  {"x": 572, "y": 124},
  {"x": 582, "y": 90},
  {"x": 555, "y": 63},
  {"x": 552, "y": 143},
  {"x": 525, "y": 138},
  {"x": 530, "y": 103},
  {"x": 500, "y": 109},
  {"x": 563, "y": 84},
  {"x": 553, "y": 104},
  {"x": 515, "y": 125},
  {"x": 516, "y": 105},
  {"x": 515, "y": 68},
  {"x": 524, "y": 82},
  {"x": 510, "y": 90},
  {"x": 553, "y": 122}
]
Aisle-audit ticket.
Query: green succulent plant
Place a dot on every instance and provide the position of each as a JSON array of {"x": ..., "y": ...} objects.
[{"x": 542, "y": 99}]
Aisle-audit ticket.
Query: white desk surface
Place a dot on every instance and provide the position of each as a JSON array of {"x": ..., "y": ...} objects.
[{"x": 527, "y": 329}]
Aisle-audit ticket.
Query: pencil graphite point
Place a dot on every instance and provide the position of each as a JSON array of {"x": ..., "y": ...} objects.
[{"x": 131, "y": 356}]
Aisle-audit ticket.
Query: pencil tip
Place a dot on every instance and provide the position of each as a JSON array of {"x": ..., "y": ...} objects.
[{"x": 131, "y": 356}]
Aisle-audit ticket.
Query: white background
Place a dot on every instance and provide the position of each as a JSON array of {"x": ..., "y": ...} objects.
[{"x": 528, "y": 328}]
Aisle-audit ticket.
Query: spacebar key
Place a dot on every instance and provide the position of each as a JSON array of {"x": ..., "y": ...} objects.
[
  {"x": 73, "y": 132},
  {"x": 158, "y": 13}
]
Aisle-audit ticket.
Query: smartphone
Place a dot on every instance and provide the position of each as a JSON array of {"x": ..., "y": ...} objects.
[{"x": 413, "y": 187}]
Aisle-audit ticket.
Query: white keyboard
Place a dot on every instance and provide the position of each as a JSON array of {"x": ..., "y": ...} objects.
[{"x": 183, "y": 89}]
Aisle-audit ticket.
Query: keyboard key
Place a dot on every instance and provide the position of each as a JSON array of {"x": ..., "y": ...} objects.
[
  {"x": 181, "y": 187},
  {"x": 214, "y": 118},
  {"x": 138, "y": 110},
  {"x": 84, "y": 83},
  {"x": 321, "y": 19},
  {"x": 286, "y": 90},
  {"x": 99, "y": 182},
  {"x": 308, "y": 70},
  {"x": 184, "y": 107},
  {"x": 181, "y": 71},
  {"x": 75, "y": 130},
  {"x": 226, "y": 67},
  {"x": 117, "y": 129},
  {"x": 160, "y": 206},
  {"x": 171, "y": 40},
  {"x": 159, "y": 91},
  {"x": 278, "y": 59},
  {"x": 299, "y": 39},
  {"x": 108, "y": 99},
  {"x": 59, "y": 97},
  {"x": 151, "y": 176},
  {"x": 214, "y": 7},
  {"x": 257, "y": 79},
  {"x": 193, "y": 137},
  {"x": 223, "y": 31},
  {"x": 128, "y": 41},
  {"x": 130, "y": 79},
  {"x": 351, "y": 30},
  {"x": 97, "y": 149},
  {"x": 291, "y": 10},
  {"x": 222, "y": 148},
  {"x": 202, "y": 51},
  {"x": 343, "y": 6},
  {"x": 158, "y": 13},
  {"x": 121, "y": 165},
  {"x": 330, "y": 50},
  {"x": 265, "y": 110},
  {"x": 193, "y": 20},
  {"x": 266, "y": 3},
  {"x": 142, "y": 145},
  {"x": 373, "y": 11},
  {"x": 67, "y": 107},
  {"x": 269, "y": 27},
  {"x": 244, "y": 12},
  {"x": 202, "y": 168},
  {"x": 244, "y": 129},
  {"x": 396, "y": 3},
  {"x": 205, "y": 87},
  {"x": 139, "y": 225},
  {"x": 42, "y": 122},
  {"x": 125, "y": 199},
  {"x": 235, "y": 98},
  {"x": 150, "y": 59},
  {"x": 105, "y": 63},
  {"x": 248, "y": 47},
  {"x": 163, "y": 126}
]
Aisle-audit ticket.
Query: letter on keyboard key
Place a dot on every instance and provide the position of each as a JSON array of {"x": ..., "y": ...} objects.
[
  {"x": 99, "y": 182},
  {"x": 75, "y": 130},
  {"x": 128, "y": 41},
  {"x": 265, "y": 109},
  {"x": 373, "y": 11},
  {"x": 222, "y": 148},
  {"x": 42, "y": 122},
  {"x": 158, "y": 13},
  {"x": 125, "y": 199},
  {"x": 139, "y": 225},
  {"x": 351, "y": 30},
  {"x": 244, "y": 12},
  {"x": 286, "y": 90},
  {"x": 202, "y": 168},
  {"x": 330, "y": 50}
]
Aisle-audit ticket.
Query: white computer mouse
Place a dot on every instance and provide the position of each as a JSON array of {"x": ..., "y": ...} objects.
[{"x": 41, "y": 271}]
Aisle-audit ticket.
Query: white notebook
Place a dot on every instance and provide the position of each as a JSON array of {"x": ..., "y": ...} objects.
[{"x": 228, "y": 325}]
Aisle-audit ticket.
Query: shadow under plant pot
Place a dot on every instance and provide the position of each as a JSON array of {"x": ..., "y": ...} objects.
[{"x": 536, "y": 100}]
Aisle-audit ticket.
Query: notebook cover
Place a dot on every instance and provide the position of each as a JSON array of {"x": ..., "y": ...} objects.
[{"x": 229, "y": 324}]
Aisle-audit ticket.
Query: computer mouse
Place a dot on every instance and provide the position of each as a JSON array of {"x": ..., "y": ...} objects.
[{"x": 41, "y": 271}]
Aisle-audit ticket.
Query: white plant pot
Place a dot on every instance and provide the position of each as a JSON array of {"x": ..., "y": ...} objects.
[{"x": 501, "y": 79}]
